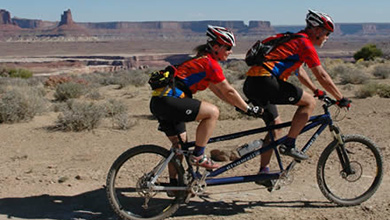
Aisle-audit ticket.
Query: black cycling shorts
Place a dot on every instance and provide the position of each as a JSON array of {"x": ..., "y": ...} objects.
[
  {"x": 172, "y": 113},
  {"x": 267, "y": 91}
]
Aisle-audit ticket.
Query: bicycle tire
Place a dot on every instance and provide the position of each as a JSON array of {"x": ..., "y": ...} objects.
[
  {"x": 366, "y": 161},
  {"x": 124, "y": 193}
]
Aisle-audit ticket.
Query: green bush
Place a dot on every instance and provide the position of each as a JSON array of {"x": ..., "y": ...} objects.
[
  {"x": 21, "y": 104},
  {"x": 20, "y": 73},
  {"x": 79, "y": 116},
  {"x": 69, "y": 90},
  {"x": 368, "y": 52},
  {"x": 15, "y": 73}
]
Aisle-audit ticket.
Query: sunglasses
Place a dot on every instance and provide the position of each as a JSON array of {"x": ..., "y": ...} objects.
[
  {"x": 228, "y": 48},
  {"x": 327, "y": 33}
]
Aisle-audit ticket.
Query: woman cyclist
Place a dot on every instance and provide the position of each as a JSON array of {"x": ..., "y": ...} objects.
[
  {"x": 176, "y": 106},
  {"x": 266, "y": 84}
]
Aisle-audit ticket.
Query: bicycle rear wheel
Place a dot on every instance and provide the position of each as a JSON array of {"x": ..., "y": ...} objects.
[
  {"x": 358, "y": 179},
  {"x": 127, "y": 180}
]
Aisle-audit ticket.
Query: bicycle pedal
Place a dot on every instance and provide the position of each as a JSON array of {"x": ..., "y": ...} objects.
[
  {"x": 271, "y": 189},
  {"x": 282, "y": 149}
]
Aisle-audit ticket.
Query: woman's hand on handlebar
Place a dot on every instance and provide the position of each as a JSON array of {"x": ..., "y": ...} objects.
[{"x": 254, "y": 111}]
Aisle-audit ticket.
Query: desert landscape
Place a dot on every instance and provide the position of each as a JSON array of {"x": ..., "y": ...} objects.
[{"x": 48, "y": 173}]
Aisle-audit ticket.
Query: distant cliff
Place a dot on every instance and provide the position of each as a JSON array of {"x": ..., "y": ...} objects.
[{"x": 67, "y": 27}]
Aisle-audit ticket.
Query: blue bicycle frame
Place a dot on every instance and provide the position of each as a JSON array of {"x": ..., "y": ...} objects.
[{"x": 322, "y": 121}]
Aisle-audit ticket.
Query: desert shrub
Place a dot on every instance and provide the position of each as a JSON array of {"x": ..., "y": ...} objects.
[
  {"x": 21, "y": 104},
  {"x": 99, "y": 78},
  {"x": 231, "y": 76},
  {"x": 69, "y": 90},
  {"x": 368, "y": 52},
  {"x": 15, "y": 73},
  {"x": 54, "y": 81},
  {"x": 238, "y": 66},
  {"x": 7, "y": 83},
  {"x": 123, "y": 121},
  {"x": 114, "y": 107},
  {"x": 235, "y": 70},
  {"x": 334, "y": 66},
  {"x": 20, "y": 73},
  {"x": 381, "y": 71},
  {"x": 133, "y": 77},
  {"x": 123, "y": 78},
  {"x": 384, "y": 91},
  {"x": 372, "y": 89},
  {"x": 351, "y": 74},
  {"x": 79, "y": 116},
  {"x": 94, "y": 94},
  {"x": 367, "y": 90}
]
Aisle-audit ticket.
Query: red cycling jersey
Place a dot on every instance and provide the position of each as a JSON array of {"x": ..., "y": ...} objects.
[
  {"x": 290, "y": 56},
  {"x": 196, "y": 74}
]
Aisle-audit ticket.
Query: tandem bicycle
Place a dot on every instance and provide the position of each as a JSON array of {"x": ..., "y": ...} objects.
[{"x": 348, "y": 172}]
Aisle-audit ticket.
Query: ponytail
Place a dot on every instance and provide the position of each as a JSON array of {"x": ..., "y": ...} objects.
[{"x": 204, "y": 48}]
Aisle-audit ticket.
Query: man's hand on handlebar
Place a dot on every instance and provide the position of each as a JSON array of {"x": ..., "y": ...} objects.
[
  {"x": 344, "y": 103},
  {"x": 320, "y": 94}
]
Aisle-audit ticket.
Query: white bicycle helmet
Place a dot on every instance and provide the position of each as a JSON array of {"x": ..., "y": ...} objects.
[
  {"x": 318, "y": 19},
  {"x": 221, "y": 35}
]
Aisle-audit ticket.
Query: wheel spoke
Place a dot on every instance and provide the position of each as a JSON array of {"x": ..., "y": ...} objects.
[
  {"x": 130, "y": 187},
  {"x": 361, "y": 177}
]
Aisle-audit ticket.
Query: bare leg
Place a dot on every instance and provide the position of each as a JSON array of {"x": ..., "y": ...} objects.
[
  {"x": 266, "y": 156},
  {"x": 208, "y": 116},
  {"x": 306, "y": 107},
  {"x": 176, "y": 144}
]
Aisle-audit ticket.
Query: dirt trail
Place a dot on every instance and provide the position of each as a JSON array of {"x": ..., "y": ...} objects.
[{"x": 61, "y": 175}]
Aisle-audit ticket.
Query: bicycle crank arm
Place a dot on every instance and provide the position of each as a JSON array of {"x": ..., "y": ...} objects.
[{"x": 172, "y": 188}]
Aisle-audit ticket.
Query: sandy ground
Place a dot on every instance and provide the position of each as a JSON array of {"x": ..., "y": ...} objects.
[{"x": 61, "y": 175}]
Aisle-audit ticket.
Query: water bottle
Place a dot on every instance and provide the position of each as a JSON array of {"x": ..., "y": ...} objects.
[{"x": 247, "y": 148}]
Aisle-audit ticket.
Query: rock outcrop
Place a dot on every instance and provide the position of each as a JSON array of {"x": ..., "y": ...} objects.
[
  {"x": 67, "y": 27},
  {"x": 5, "y": 17},
  {"x": 8, "y": 29},
  {"x": 66, "y": 18}
]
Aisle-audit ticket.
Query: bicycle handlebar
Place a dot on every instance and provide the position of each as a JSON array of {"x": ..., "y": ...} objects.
[{"x": 328, "y": 101}]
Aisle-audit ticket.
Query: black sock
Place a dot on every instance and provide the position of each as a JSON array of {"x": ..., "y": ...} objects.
[
  {"x": 290, "y": 142},
  {"x": 198, "y": 151},
  {"x": 173, "y": 181}
]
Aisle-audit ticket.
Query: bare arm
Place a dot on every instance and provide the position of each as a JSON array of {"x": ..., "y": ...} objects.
[
  {"x": 305, "y": 80},
  {"x": 326, "y": 82},
  {"x": 228, "y": 94}
]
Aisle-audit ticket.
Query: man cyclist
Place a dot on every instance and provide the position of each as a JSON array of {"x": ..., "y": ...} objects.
[{"x": 267, "y": 85}]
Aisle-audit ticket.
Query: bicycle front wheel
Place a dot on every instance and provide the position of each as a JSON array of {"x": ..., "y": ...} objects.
[
  {"x": 128, "y": 184},
  {"x": 350, "y": 174}
]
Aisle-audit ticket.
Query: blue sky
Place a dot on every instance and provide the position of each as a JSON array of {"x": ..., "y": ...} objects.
[{"x": 278, "y": 12}]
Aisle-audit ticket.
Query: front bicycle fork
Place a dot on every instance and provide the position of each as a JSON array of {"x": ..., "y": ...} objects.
[{"x": 342, "y": 153}]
